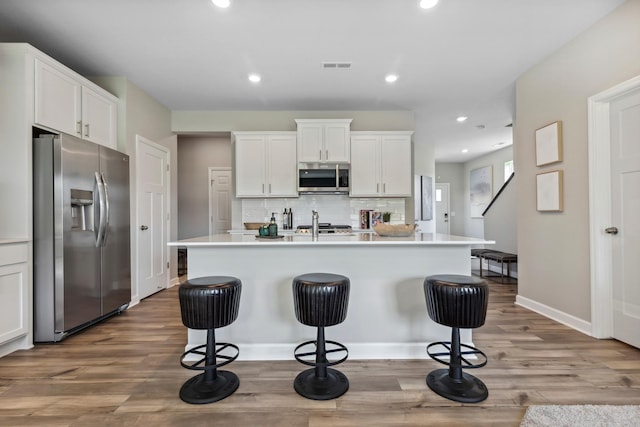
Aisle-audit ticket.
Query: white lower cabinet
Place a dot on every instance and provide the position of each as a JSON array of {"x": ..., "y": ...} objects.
[
  {"x": 381, "y": 164},
  {"x": 14, "y": 291},
  {"x": 266, "y": 164}
]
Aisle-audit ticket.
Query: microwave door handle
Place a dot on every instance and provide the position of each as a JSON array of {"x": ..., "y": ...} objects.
[{"x": 337, "y": 177}]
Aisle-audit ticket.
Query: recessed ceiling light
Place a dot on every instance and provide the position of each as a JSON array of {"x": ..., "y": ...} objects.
[
  {"x": 464, "y": 150},
  {"x": 461, "y": 119},
  {"x": 428, "y": 4},
  {"x": 391, "y": 78},
  {"x": 254, "y": 78},
  {"x": 221, "y": 3}
]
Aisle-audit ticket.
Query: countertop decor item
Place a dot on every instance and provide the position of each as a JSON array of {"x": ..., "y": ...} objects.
[
  {"x": 253, "y": 225},
  {"x": 394, "y": 230}
]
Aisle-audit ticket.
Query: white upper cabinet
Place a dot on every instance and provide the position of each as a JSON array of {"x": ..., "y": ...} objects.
[
  {"x": 324, "y": 140},
  {"x": 58, "y": 98},
  {"x": 266, "y": 164},
  {"x": 381, "y": 164},
  {"x": 98, "y": 118},
  {"x": 71, "y": 104}
]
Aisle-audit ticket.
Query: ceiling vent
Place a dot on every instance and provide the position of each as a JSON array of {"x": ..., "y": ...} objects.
[{"x": 336, "y": 65}]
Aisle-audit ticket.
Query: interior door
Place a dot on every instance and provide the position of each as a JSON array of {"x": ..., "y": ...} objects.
[
  {"x": 625, "y": 230},
  {"x": 443, "y": 224},
  {"x": 220, "y": 193},
  {"x": 152, "y": 162}
]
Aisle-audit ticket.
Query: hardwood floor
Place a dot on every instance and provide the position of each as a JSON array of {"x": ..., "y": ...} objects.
[{"x": 125, "y": 372}]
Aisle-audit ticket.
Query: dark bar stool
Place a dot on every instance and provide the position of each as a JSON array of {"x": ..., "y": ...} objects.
[
  {"x": 320, "y": 300},
  {"x": 459, "y": 302},
  {"x": 209, "y": 303}
]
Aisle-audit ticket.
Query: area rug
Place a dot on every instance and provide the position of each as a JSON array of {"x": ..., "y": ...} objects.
[{"x": 582, "y": 415}]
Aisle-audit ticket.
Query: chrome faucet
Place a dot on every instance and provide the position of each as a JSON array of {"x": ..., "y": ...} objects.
[{"x": 314, "y": 224}]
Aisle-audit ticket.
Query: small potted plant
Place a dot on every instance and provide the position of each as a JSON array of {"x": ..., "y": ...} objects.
[{"x": 386, "y": 216}]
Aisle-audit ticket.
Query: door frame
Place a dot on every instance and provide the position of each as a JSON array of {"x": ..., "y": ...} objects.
[
  {"x": 215, "y": 169},
  {"x": 134, "y": 230},
  {"x": 600, "y": 215}
]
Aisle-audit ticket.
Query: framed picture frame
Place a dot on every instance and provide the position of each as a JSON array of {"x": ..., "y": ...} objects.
[
  {"x": 549, "y": 144},
  {"x": 481, "y": 187},
  {"x": 549, "y": 192}
]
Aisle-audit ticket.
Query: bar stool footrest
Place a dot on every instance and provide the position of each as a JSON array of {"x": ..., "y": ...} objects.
[
  {"x": 338, "y": 348},
  {"x": 220, "y": 347},
  {"x": 463, "y": 361}
]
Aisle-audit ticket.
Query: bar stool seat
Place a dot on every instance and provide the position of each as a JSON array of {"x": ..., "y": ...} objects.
[
  {"x": 459, "y": 302},
  {"x": 209, "y": 303},
  {"x": 320, "y": 300}
]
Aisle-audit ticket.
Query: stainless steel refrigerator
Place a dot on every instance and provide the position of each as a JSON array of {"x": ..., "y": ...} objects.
[{"x": 82, "y": 267}]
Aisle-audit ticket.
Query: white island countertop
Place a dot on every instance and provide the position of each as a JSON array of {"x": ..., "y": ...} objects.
[{"x": 352, "y": 239}]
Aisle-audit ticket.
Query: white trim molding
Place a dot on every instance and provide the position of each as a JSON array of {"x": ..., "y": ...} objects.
[
  {"x": 554, "y": 314},
  {"x": 600, "y": 207}
]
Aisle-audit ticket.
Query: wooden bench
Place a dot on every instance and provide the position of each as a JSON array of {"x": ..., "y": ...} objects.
[{"x": 497, "y": 256}]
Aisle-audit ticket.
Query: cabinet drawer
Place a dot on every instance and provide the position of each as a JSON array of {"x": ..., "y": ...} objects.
[{"x": 13, "y": 253}]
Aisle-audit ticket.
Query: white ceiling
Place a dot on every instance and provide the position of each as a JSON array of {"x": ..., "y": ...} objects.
[{"x": 460, "y": 58}]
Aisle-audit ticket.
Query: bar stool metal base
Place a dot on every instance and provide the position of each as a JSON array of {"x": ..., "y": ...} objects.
[
  {"x": 198, "y": 390},
  {"x": 308, "y": 384},
  {"x": 468, "y": 389}
]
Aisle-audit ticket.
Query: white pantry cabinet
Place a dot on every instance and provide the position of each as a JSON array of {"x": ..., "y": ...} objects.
[
  {"x": 265, "y": 164},
  {"x": 323, "y": 140},
  {"x": 15, "y": 295},
  {"x": 69, "y": 103},
  {"x": 381, "y": 164}
]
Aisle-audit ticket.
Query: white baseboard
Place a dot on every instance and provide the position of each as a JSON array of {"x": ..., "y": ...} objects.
[
  {"x": 554, "y": 314},
  {"x": 20, "y": 343}
]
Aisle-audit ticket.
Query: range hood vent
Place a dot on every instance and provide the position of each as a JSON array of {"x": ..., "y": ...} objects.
[{"x": 336, "y": 65}]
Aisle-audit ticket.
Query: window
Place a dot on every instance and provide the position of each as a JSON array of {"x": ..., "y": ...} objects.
[
  {"x": 508, "y": 169},
  {"x": 438, "y": 195}
]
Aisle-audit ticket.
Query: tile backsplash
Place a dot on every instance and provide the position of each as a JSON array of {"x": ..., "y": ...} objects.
[{"x": 336, "y": 209}]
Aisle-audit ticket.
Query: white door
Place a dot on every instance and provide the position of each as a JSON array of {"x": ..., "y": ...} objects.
[
  {"x": 220, "y": 193},
  {"x": 625, "y": 213},
  {"x": 152, "y": 188},
  {"x": 442, "y": 208}
]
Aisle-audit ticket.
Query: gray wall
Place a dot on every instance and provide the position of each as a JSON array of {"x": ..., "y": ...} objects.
[
  {"x": 195, "y": 155},
  {"x": 226, "y": 121},
  {"x": 500, "y": 222},
  {"x": 474, "y": 227},
  {"x": 457, "y": 175},
  {"x": 553, "y": 248}
]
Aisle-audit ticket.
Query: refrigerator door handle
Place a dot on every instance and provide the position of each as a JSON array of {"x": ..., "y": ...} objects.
[
  {"x": 107, "y": 209},
  {"x": 102, "y": 217}
]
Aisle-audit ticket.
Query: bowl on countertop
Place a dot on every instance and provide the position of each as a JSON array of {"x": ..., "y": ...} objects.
[
  {"x": 253, "y": 225},
  {"x": 394, "y": 230}
]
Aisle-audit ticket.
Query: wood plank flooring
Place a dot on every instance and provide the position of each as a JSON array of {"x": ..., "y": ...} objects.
[{"x": 125, "y": 372}]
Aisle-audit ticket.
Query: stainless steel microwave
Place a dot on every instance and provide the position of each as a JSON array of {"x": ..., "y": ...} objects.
[{"x": 324, "y": 180}]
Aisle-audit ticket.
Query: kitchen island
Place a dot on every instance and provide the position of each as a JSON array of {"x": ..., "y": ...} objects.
[{"x": 387, "y": 315}]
